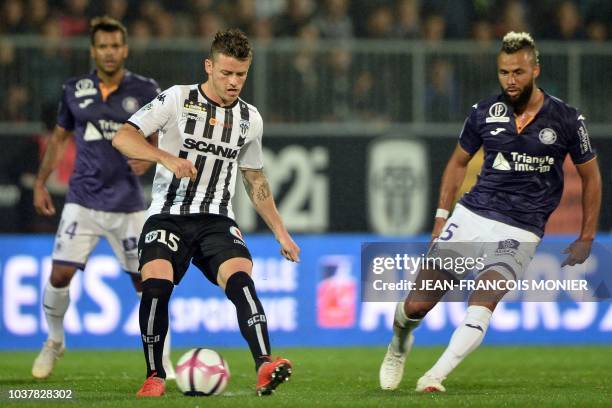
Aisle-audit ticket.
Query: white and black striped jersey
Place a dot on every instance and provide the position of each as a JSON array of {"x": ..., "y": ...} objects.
[{"x": 216, "y": 139}]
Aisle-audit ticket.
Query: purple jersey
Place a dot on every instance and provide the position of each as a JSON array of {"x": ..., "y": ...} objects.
[
  {"x": 521, "y": 180},
  {"x": 102, "y": 179}
]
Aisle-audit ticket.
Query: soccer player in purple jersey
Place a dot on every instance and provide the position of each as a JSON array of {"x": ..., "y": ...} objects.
[
  {"x": 105, "y": 197},
  {"x": 526, "y": 135}
]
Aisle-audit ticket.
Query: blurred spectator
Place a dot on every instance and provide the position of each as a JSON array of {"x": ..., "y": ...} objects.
[
  {"x": 149, "y": 9},
  {"x": 483, "y": 33},
  {"x": 434, "y": 28},
  {"x": 10, "y": 70},
  {"x": 513, "y": 18},
  {"x": 597, "y": 31},
  {"x": 140, "y": 35},
  {"x": 17, "y": 157},
  {"x": 18, "y": 106},
  {"x": 297, "y": 14},
  {"x": 38, "y": 15},
  {"x": 140, "y": 31},
  {"x": 441, "y": 99},
  {"x": 380, "y": 23},
  {"x": 568, "y": 22},
  {"x": 458, "y": 15},
  {"x": 269, "y": 9},
  {"x": 208, "y": 24},
  {"x": 262, "y": 29},
  {"x": 116, "y": 9},
  {"x": 241, "y": 15},
  {"x": 163, "y": 24},
  {"x": 300, "y": 98},
  {"x": 370, "y": 98},
  {"x": 333, "y": 21},
  {"x": 12, "y": 20},
  {"x": 337, "y": 86},
  {"x": 48, "y": 68},
  {"x": 408, "y": 24},
  {"x": 200, "y": 6},
  {"x": 74, "y": 20}
]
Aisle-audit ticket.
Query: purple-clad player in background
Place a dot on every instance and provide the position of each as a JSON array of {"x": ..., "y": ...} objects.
[
  {"x": 526, "y": 135},
  {"x": 105, "y": 197}
]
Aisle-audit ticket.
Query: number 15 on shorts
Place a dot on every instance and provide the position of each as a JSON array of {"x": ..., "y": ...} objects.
[{"x": 163, "y": 237}]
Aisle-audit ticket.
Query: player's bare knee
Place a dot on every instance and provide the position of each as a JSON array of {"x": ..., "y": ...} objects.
[
  {"x": 157, "y": 269},
  {"x": 417, "y": 310},
  {"x": 232, "y": 266},
  {"x": 61, "y": 275}
]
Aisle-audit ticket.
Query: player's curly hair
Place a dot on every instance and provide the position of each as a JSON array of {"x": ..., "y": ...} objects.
[
  {"x": 233, "y": 43},
  {"x": 513, "y": 42},
  {"x": 106, "y": 24}
]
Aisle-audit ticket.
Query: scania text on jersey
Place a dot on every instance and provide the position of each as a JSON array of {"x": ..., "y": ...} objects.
[{"x": 204, "y": 147}]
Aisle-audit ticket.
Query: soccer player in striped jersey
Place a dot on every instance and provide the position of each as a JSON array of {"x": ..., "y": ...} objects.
[
  {"x": 526, "y": 135},
  {"x": 206, "y": 133},
  {"x": 104, "y": 197}
]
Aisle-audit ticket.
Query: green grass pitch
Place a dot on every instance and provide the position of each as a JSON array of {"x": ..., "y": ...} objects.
[{"x": 492, "y": 376}]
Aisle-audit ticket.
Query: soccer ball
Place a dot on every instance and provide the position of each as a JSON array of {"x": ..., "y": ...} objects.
[{"x": 202, "y": 372}]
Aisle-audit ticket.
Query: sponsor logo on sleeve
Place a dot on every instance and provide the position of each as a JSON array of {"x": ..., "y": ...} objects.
[{"x": 585, "y": 141}]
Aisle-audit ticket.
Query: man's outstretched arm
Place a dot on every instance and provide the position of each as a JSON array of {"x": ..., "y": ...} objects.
[{"x": 258, "y": 189}]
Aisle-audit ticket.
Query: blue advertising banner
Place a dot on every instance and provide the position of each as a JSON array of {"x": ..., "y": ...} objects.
[{"x": 314, "y": 303}]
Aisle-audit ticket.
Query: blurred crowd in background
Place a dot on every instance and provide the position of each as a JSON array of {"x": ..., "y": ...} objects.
[
  {"x": 265, "y": 19},
  {"x": 306, "y": 83}
]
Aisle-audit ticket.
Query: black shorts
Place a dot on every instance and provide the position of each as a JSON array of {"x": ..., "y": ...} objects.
[{"x": 207, "y": 240}]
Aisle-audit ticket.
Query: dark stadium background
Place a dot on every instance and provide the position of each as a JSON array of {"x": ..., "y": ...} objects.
[{"x": 362, "y": 103}]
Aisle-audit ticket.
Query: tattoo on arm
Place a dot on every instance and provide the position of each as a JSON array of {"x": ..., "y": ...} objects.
[
  {"x": 256, "y": 186},
  {"x": 263, "y": 193}
]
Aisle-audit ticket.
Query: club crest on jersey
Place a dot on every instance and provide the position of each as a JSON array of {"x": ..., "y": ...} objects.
[
  {"x": 85, "y": 87},
  {"x": 547, "y": 136},
  {"x": 130, "y": 104},
  {"x": 244, "y": 127},
  {"x": 498, "y": 113},
  {"x": 151, "y": 236}
]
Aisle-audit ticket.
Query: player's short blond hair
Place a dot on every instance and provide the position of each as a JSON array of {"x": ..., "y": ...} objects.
[{"x": 513, "y": 42}]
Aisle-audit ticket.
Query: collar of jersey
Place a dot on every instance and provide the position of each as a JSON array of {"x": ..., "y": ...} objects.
[
  {"x": 213, "y": 102},
  {"x": 94, "y": 76}
]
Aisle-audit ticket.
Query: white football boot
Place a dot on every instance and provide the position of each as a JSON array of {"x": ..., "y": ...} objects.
[
  {"x": 44, "y": 363},
  {"x": 429, "y": 383},
  {"x": 392, "y": 367}
]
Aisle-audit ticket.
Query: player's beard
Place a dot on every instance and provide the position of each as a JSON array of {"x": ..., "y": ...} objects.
[{"x": 520, "y": 102}]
